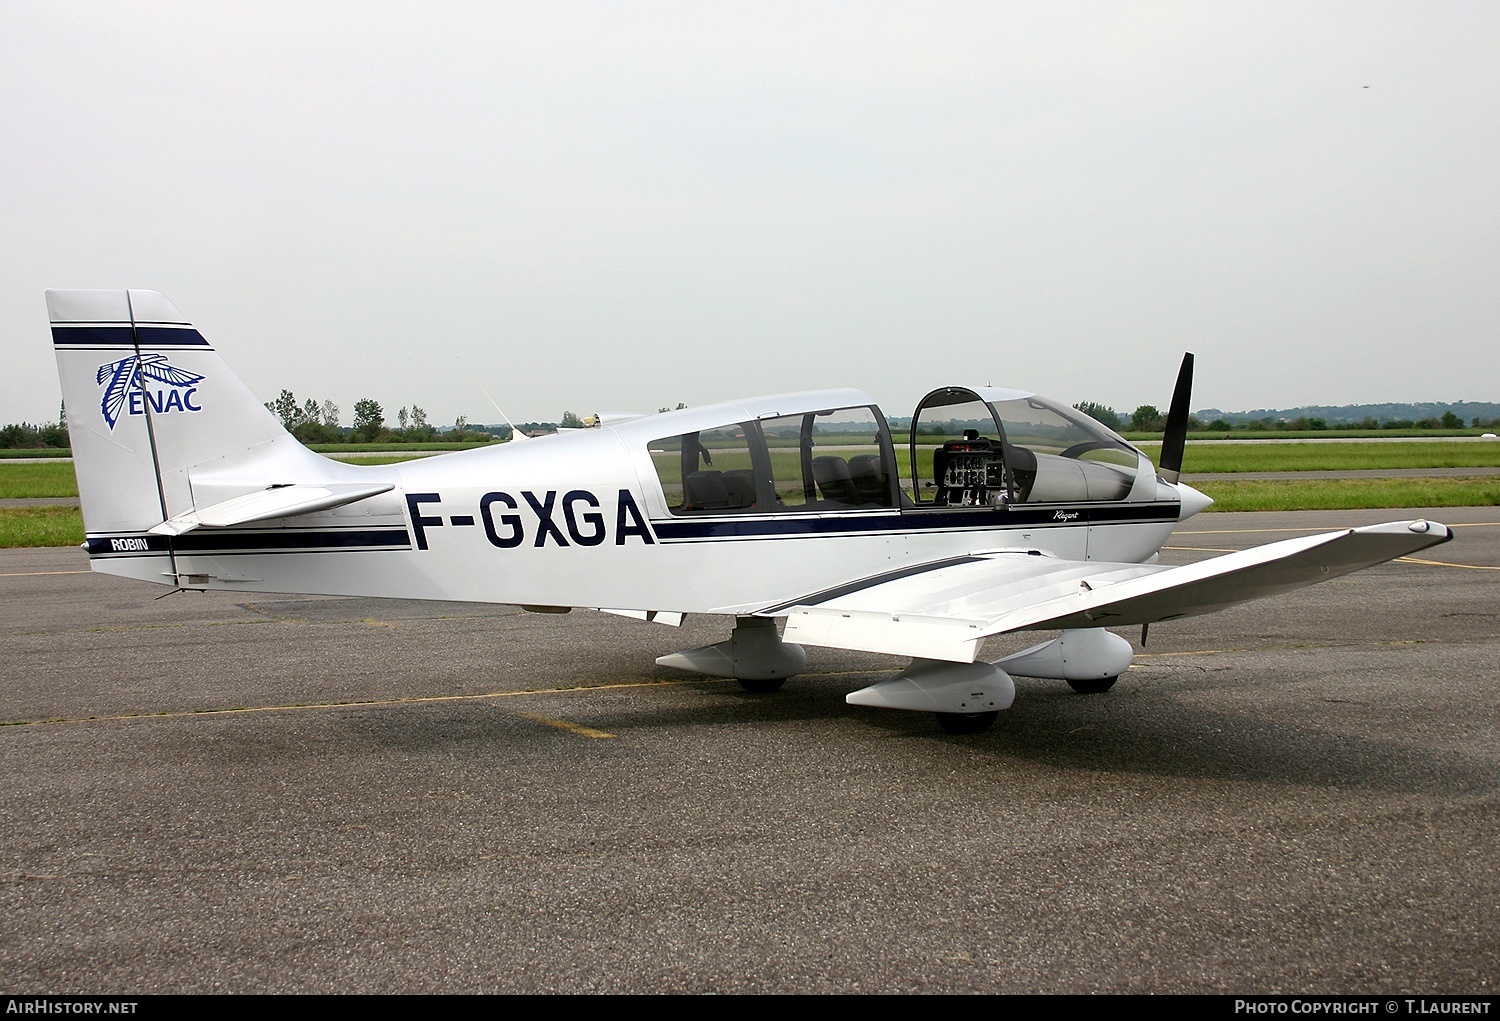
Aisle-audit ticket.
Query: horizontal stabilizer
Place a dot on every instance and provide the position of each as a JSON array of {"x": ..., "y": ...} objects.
[
  {"x": 276, "y": 502},
  {"x": 946, "y": 614}
]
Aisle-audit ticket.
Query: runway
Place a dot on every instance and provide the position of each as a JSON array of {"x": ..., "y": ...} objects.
[{"x": 235, "y": 793}]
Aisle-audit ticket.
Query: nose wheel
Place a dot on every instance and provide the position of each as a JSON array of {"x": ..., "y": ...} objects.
[
  {"x": 966, "y": 723},
  {"x": 1093, "y": 686}
]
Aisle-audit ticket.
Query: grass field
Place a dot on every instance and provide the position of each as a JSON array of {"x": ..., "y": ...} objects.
[
  {"x": 9, "y": 452},
  {"x": 335, "y": 449},
  {"x": 1287, "y": 457},
  {"x": 34, "y": 480},
  {"x": 898, "y": 436},
  {"x": 61, "y": 526},
  {"x": 383, "y": 459},
  {"x": 1347, "y": 494},
  {"x": 28, "y": 481},
  {"x": 1306, "y": 434},
  {"x": 40, "y": 526}
]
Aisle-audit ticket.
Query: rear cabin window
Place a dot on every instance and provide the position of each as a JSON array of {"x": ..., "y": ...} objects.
[
  {"x": 712, "y": 471},
  {"x": 817, "y": 461}
]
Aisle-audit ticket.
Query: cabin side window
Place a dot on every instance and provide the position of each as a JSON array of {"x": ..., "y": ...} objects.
[
  {"x": 830, "y": 460},
  {"x": 819, "y": 461},
  {"x": 712, "y": 471}
]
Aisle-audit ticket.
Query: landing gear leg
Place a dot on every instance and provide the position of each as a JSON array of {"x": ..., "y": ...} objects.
[{"x": 755, "y": 656}]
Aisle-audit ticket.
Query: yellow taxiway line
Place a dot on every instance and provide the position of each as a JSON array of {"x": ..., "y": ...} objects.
[
  {"x": 360, "y": 703},
  {"x": 38, "y": 574},
  {"x": 1443, "y": 563},
  {"x": 572, "y": 728}
]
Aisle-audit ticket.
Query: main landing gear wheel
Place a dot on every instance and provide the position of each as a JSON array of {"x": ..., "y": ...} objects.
[
  {"x": 1093, "y": 686},
  {"x": 966, "y": 723},
  {"x": 762, "y": 687}
]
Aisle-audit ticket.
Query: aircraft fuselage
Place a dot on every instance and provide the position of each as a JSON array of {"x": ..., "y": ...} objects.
[{"x": 584, "y": 518}]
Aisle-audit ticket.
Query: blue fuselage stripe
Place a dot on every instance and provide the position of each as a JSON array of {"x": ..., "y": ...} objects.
[
  {"x": 253, "y": 542},
  {"x": 917, "y": 520}
]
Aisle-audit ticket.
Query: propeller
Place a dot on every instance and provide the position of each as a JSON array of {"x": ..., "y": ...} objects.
[{"x": 1175, "y": 437}]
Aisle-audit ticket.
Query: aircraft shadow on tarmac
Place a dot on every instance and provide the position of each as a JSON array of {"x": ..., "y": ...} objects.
[
  {"x": 1172, "y": 721},
  {"x": 1148, "y": 730}
]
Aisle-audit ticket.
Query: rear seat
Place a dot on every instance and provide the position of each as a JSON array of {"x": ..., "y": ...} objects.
[
  {"x": 704, "y": 490},
  {"x": 740, "y": 486},
  {"x": 868, "y": 475},
  {"x": 715, "y": 490},
  {"x": 834, "y": 481}
]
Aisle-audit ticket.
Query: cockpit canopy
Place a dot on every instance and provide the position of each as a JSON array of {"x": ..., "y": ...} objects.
[
  {"x": 829, "y": 451},
  {"x": 988, "y": 446}
]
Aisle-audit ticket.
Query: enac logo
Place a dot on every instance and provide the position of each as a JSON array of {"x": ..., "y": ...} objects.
[{"x": 125, "y": 387}]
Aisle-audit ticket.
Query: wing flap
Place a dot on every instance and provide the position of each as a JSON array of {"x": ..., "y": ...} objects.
[
  {"x": 924, "y": 637},
  {"x": 265, "y": 504}
]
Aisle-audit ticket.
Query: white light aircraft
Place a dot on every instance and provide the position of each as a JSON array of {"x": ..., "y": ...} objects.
[{"x": 1021, "y": 514}]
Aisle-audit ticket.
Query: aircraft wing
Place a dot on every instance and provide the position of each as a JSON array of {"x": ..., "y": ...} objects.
[{"x": 946, "y": 610}]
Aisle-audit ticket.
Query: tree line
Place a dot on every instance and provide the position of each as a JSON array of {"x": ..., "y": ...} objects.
[
  {"x": 25, "y": 436},
  {"x": 1148, "y": 418},
  {"x": 312, "y": 421}
]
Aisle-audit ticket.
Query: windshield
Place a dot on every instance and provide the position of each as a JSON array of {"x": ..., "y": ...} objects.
[
  {"x": 1059, "y": 454},
  {"x": 967, "y": 451},
  {"x": 1047, "y": 427}
]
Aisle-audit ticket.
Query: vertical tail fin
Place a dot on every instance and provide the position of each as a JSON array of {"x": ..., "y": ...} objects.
[{"x": 147, "y": 398}]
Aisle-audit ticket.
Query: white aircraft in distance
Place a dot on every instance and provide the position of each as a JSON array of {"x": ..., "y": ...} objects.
[{"x": 1022, "y": 514}]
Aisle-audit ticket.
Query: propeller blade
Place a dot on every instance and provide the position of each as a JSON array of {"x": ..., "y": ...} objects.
[{"x": 1177, "y": 422}]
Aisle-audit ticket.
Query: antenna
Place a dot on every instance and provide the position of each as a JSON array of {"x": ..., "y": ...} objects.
[{"x": 516, "y": 435}]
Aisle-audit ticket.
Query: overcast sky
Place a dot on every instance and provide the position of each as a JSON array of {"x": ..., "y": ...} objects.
[{"x": 620, "y": 206}]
